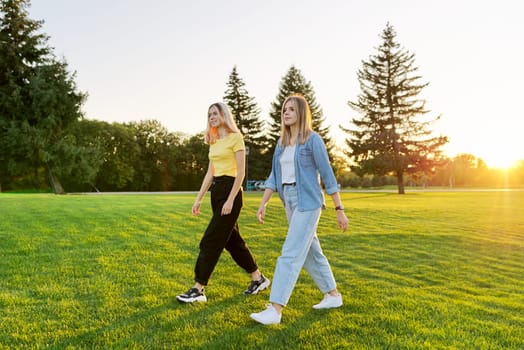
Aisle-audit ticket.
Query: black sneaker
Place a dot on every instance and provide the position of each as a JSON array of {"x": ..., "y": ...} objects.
[
  {"x": 257, "y": 286},
  {"x": 192, "y": 295}
]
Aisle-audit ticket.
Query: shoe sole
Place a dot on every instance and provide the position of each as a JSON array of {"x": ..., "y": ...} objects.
[
  {"x": 254, "y": 317},
  {"x": 201, "y": 299},
  {"x": 316, "y": 307},
  {"x": 260, "y": 288}
]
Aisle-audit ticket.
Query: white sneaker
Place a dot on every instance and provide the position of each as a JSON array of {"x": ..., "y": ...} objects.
[
  {"x": 329, "y": 302},
  {"x": 268, "y": 316}
]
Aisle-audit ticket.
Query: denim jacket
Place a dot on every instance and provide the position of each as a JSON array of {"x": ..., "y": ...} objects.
[{"x": 311, "y": 159}]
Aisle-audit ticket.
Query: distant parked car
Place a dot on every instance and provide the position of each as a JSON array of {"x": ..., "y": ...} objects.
[
  {"x": 260, "y": 185},
  {"x": 255, "y": 185}
]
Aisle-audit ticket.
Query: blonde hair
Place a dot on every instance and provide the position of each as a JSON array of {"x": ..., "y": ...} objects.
[
  {"x": 211, "y": 135},
  {"x": 303, "y": 119}
]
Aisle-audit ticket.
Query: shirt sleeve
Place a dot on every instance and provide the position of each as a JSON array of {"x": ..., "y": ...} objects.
[
  {"x": 323, "y": 165},
  {"x": 271, "y": 181},
  {"x": 238, "y": 142}
]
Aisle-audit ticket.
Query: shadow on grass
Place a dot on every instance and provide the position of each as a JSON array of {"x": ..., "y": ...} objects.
[
  {"x": 175, "y": 325},
  {"x": 435, "y": 277}
]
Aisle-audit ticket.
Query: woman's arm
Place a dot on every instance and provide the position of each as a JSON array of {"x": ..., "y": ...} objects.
[
  {"x": 326, "y": 172},
  {"x": 206, "y": 183},
  {"x": 241, "y": 170}
]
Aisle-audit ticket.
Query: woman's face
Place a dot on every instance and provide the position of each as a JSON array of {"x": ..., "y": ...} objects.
[
  {"x": 214, "y": 118},
  {"x": 289, "y": 114}
]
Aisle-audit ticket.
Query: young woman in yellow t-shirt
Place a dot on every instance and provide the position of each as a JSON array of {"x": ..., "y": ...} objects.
[{"x": 225, "y": 175}]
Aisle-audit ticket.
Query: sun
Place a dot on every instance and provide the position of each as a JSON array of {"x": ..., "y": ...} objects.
[
  {"x": 500, "y": 160},
  {"x": 501, "y": 152}
]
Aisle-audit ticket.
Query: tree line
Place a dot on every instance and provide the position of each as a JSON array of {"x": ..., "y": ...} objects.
[{"x": 46, "y": 143}]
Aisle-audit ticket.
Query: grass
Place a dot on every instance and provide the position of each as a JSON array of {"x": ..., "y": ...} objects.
[{"x": 438, "y": 270}]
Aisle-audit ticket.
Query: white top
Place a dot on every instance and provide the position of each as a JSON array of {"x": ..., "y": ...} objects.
[{"x": 287, "y": 163}]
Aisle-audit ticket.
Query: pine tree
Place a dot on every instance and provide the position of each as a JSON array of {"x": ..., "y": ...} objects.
[
  {"x": 38, "y": 101},
  {"x": 20, "y": 51},
  {"x": 294, "y": 82},
  {"x": 244, "y": 108},
  {"x": 390, "y": 135},
  {"x": 247, "y": 116}
]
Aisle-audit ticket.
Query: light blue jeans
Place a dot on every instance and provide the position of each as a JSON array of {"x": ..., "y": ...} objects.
[{"x": 301, "y": 249}]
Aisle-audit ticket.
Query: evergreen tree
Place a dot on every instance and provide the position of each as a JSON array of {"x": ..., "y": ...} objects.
[
  {"x": 294, "y": 82},
  {"x": 38, "y": 101},
  {"x": 247, "y": 116},
  {"x": 390, "y": 135},
  {"x": 243, "y": 108},
  {"x": 21, "y": 50}
]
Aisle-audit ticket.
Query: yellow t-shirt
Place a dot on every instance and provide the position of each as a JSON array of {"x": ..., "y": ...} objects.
[{"x": 222, "y": 154}]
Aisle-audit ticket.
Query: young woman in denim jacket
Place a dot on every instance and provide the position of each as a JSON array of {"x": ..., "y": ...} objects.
[{"x": 300, "y": 156}]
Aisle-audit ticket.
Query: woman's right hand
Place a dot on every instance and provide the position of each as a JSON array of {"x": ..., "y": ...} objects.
[
  {"x": 196, "y": 209},
  {"x": 261, "y": 213},
  {"x": 262, "y": 209}
]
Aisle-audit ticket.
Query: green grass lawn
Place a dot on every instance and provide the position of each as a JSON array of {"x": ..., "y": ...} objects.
[{"x": 438, "y": 270}]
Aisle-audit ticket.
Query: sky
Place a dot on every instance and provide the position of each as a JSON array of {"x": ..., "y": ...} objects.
[{"x": 169, "y": 60}]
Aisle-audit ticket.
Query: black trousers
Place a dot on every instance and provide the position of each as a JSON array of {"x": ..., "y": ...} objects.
[{"x": 223, "y": 232}]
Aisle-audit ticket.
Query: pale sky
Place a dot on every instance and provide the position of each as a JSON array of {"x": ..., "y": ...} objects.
[{"x": 169, "y": 60}]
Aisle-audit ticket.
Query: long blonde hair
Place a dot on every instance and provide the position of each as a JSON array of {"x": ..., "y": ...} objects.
[
  {"x": 303, "y": 119},
  {"x": 211, "y": 135}
]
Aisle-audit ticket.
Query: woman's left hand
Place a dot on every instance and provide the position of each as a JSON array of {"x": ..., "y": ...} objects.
[
  {"x": 227, "y": 207},
  {"x": 342, "y": 219}
]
